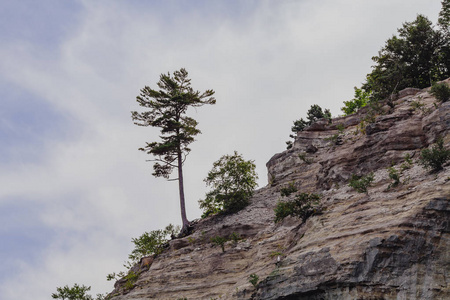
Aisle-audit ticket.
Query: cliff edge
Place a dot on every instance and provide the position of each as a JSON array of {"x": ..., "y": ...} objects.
[{"x": 389, "y": 243}]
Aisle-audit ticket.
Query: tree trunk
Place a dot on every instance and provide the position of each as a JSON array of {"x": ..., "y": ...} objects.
[{"x": 181, "y": 188}]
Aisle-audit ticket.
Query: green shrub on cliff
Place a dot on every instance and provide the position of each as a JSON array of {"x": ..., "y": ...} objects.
[
  {"x": 149, "y": 243},
  {"x": 441, "y": 91},
  {"x": 417, "y": 56},
  {"x": 361, "y": 183},
  {"x": 288, "y": 190},
  {"x": 362, "y": 97},
  {"x": 76, "y": 292},
  {"x": 219, "y": 241},
  {"x": 253, "y": 279},
  {"x": 314, "y": 113},
  {"x": 233, "y": 181},
  {"x": 394, "y": 175},
  {"x": 435, "y": 157},
  {"x": 303, "y": 206}
]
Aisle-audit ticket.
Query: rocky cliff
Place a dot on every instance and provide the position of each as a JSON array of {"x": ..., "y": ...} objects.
[{"x": 389, "y": 243}]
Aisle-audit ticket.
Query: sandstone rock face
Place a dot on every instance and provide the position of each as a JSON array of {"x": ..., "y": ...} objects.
[{"x": 391, "y": 243}]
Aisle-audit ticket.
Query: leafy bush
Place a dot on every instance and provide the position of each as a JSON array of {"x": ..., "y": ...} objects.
[
  {"x": 361, "y": 183},
  {"x": 235, "y": 237},
  {"x": 435, "y": 157},
  {"x": 152, "y": 242},
  {"x": 131, "y": 278},
  {"x": 314, "y": 113},
  {"x": 407, "y": 164},
  {"x": 276, "y": 253},
  {"x": 414, "y": 58},
  {"x": 303, "y": 206},
  {"x": 335, "y": 139},
  {"x": 287, "y": 191},
  {"x": 305, "y": 159},
  {"x": 149, "y": 243},
  {"x": 219, "y": 241},
  {"x": 76, "y": 292},
  {"x": 361, "y": 99},
  {"x": 417, "y": 105},
  {"x": 254, "y": 279},
  {"x": 233, "y": 180},
  {"x": 395, "y": 176},
  {"x": 441, "y": 91}
]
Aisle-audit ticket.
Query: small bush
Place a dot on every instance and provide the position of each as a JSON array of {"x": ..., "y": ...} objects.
[
  {"x": 407, "y": 164},
  {"x": 219, "y": 241},
  {"x": 152, "y": 242},
  {"x": 233, "y": 181},
  {"x": 314, "y": 114},
  {"x": 75, "y": 292},
  {"x": 441, "y": 91},
  {"x": 131, "y": 278},
  {"x": 305, "y": 159},
  {"x": 335, "y": 139},
  {"x": 417, "y": 105},
  {"x": 149, "y": 243},
  {"x": 235, "y": 237},
  {"x": 361, "y": 183},
  {"x": 362, "y": 97},
  {"x": 254, "y": 279},
  {"x": 303, "y": 206},
  {"x": 276, "y": 253},
  {"x": 436, "y": 157},
  {"x": 395, "y": 176},
  {"x": 284, "y": 209},
  {"x": 287, "y": 191}
]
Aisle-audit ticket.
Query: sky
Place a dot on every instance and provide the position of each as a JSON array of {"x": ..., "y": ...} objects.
[{"x": 74, "y": 189}]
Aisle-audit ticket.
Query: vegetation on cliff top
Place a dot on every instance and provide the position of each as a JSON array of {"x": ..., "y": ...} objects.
[
  {"x": 417, "y": 57},
  {"x": 314, "y": 113},
  {"x": 303, "y": 205},
  {"x": 233, "y": 180},
  {"x": 76, "y": 292},
  {"x": 435, "y": 157}
]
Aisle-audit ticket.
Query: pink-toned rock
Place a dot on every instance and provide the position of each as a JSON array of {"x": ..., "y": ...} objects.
[{"x": 146, "y": 262}]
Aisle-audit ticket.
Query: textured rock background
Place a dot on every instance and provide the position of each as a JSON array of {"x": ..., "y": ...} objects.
[{"x": 387, "y": 244}]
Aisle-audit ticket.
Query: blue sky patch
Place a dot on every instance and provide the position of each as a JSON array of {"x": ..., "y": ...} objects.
[
  {"x": 23, "y": 236},
  {"x": 26, "y": 122},
  {"x": 40, "y": 22}
]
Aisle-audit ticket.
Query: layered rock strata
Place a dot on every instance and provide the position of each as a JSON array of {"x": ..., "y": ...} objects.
[{"x": 391, "y": 243}]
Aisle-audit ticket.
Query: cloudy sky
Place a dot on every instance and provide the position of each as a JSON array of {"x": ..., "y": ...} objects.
[{"x": 74, "y": 189}]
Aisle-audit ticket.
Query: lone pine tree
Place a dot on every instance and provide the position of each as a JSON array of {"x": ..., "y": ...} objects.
[{"x": 167, "y": 110}]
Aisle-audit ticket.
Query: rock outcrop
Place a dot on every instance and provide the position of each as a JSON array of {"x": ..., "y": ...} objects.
[{"x": 389, "y": 243}]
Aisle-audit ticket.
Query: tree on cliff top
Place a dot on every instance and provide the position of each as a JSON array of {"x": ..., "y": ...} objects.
[
  {"x": 76, "y": 292},
  {"x": 417, "y": 57},
  {"x": 314, "y": 113},
  {"x": 444, "y": 16},
  {"x": 233, "y": 180},
  {"x": 167, "y": 110}
]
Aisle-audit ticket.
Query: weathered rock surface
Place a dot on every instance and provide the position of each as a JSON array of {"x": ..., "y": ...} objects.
[{"x": 392, "y": 243}]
